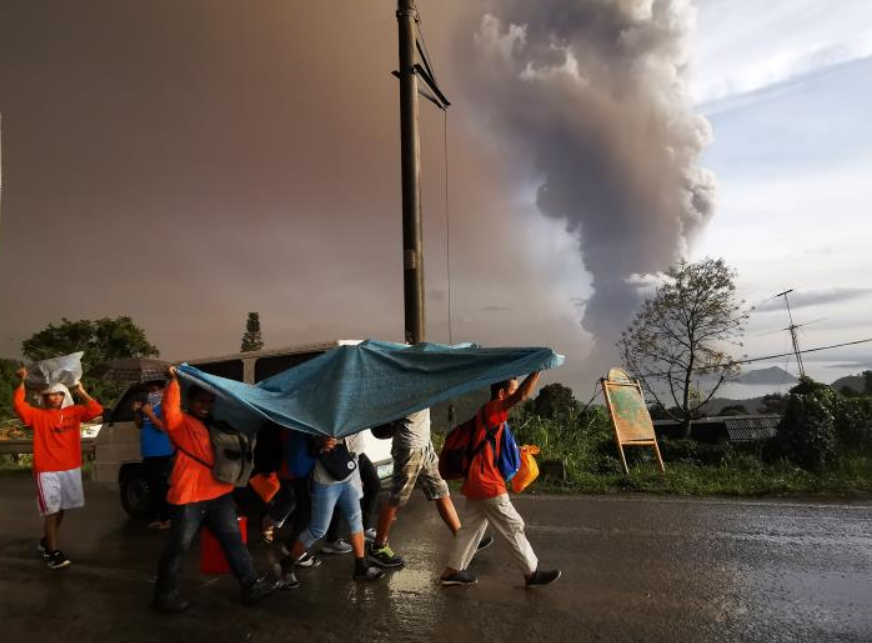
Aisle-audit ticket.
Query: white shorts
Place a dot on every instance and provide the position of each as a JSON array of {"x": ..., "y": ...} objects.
[{"x": 59, "y": 490}]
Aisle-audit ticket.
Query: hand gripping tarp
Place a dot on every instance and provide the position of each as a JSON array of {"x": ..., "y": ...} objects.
[{"x": 352, "y": 388}]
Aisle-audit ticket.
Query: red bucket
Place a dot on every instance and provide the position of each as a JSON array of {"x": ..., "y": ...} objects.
[{"x": 212, "y": 559}]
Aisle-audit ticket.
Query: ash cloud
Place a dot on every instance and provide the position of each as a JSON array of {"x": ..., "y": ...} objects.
[{"x": 592, "y": 95}]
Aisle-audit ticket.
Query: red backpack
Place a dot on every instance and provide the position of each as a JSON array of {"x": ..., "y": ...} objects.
[{"x": 459, "y": 451}]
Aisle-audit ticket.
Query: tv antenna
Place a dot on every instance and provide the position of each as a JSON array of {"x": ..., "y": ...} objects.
[{"x": 794, "y": 336}]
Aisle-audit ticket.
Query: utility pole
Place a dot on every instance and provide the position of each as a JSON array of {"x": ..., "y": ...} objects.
[
  {"x": 410, "y": 150},
  {"x": 793, "y": 335}
]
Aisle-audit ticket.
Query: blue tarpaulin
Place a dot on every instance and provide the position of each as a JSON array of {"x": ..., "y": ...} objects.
[{"x": 352, "y": 388}]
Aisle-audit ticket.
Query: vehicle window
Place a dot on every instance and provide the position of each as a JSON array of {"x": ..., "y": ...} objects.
[
  {"x": 123, "y": 411},
  {"x": 232, "y": 369},
  {"x": 268, "y": 366}
]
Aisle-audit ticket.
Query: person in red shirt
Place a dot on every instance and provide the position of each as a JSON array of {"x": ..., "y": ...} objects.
[
  {"x": 487, "y": 499},
  {"x": 197, "y": 498},
  {"x": 57, "y": 456}
]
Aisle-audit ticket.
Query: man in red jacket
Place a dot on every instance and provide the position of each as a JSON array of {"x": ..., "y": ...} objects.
[
  {"x": 57, "y": 456},
  {"x": 197, "y": 498}
]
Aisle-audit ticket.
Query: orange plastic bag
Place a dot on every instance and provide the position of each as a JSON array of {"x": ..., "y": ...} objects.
[
  {"x": 266, "y": 486},
  {"x": 529, "y": 470}
]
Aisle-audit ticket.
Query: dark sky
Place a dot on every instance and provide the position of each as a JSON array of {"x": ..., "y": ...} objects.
[{"x": 187, "y": 161}]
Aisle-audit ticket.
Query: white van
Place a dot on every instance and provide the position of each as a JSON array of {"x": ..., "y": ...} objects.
[{"x": 117, "y": 458}]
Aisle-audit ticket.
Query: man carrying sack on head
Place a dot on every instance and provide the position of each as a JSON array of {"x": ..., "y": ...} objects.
[{"x": 57, "y": 456}]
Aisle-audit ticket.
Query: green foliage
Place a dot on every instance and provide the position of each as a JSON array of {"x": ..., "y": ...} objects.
[
  {"x": 854, "y": 424},
  {"x": 807, "y": 433},
  {"x": 555, "y": 402},
  {"x": 774, "y": 404},
  {"x": 101, "y": 340},
  {"x": 252, "y": 339},
  {"x": 8, "y": 384},
  {"x": 679, "y": 334}
]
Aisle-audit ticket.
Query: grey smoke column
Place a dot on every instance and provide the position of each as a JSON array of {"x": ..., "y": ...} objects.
[{"x": 593, "y": 96}]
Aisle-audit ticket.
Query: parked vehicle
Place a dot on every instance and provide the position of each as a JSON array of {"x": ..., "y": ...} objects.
[{"x": 117, "y": 458}]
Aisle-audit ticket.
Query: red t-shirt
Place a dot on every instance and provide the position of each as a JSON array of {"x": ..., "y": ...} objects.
[
  {"x": 484, "y": 479},
  {"x": 57, "y": 433},
  {"x": 190, "y": 481}
]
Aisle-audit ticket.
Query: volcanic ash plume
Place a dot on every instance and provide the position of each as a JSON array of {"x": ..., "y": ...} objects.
[{"x": 593, "y": 94}]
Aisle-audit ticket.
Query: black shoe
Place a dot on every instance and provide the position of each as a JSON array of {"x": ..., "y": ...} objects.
[
  {"x": 57, "y": 560},
  {"x": 260, "y": 588},
  {"x": 370, "y": 575},
  {"x": 463, "y": 577},
  {"x": 169, "y": 602},
  {"x": 539, "y": 578},
  {"x": 485, "y": 542},
  {"x": 285, "y": 573},
  {"x": 384, "y": 556},
  {"x": 43, "y": 547}
]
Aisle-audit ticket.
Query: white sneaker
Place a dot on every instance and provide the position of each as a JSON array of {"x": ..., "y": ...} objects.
[
  {"x": 369, "y": 534},
  {"x": 339, "y": 546}
]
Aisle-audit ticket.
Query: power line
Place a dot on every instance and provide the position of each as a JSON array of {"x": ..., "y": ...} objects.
[{"x": 770, "y": 357}]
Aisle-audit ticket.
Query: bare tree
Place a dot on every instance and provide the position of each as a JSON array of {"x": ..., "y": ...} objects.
[{"x": 682, "y": 334}]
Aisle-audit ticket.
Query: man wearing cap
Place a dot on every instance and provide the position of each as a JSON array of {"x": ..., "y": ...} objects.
[{"x": 57, "y": 456}]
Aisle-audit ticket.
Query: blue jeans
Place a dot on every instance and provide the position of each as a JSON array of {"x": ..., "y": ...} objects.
[
  {"x": 219, "y": 515},
  {"x": 325, "y": 498}
]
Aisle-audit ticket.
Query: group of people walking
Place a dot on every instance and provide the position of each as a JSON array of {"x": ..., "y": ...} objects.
[{"x": 340, "y": 481}]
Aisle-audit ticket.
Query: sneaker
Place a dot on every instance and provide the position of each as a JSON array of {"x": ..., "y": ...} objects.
[
  {"x": 169, "y": 602},
  {"x": 43, "y": 547},
  {"x": 384, "y": 556},
  {"x": 369, "y": 535},
  {"x": 308, "y": 561},
  {"x": 260, "y": 588},
  {"x": 370, "y": 575},
  {"x": 286, "y": 576},
  {"x": 463, "y": 577},
  {"x": 485, "y": 542},
  {"x": 338, "y": 546},
  {"x": 155, "y": 524},
  {"x": 57, "y": 560},
  {"x": 539, "y": 578}
]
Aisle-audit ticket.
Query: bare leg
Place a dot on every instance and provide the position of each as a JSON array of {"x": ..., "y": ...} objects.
[
  {"x": 357, "y": 543},
  {"x": 385, "y": 520},
  {"x": 52, "y": 525},
  {"x": 297, "y": 550},
  {"x": 448, "y": 514}
]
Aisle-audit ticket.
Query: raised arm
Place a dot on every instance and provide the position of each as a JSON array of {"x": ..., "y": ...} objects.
[
  {"x": 91, "y": 408},
  {"x": 22, "y": 409},
  {"x": 524, "y": 391},
  {"x": 148, "y": 409},
  {"x": 172, "y": 403}
]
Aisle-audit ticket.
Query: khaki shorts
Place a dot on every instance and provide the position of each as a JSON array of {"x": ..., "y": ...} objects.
[{"x": 416, "y": 467}]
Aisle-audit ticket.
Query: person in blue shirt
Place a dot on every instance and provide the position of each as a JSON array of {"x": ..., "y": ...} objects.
[{"x": 157, "y": 452}]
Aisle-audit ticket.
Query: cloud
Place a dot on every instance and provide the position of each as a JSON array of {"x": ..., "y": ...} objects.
[{"x": 809, "y": 298}]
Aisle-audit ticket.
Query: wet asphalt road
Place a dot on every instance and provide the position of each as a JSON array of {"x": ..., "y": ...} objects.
[{"x": 635, "y": 569}]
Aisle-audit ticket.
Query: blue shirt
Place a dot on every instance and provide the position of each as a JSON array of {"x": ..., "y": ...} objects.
[{"x": 153, "y": 442}]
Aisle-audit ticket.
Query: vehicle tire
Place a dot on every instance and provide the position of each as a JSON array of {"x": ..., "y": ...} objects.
[{"x": 135, "y": 494}]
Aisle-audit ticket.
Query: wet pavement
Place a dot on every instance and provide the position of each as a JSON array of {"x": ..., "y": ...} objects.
[{"x": 637, "y": 568}]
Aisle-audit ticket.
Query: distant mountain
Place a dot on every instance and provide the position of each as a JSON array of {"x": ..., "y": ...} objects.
[
  {"x": 772, "y": 375},
  {"x": 853, "y": 382}
]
